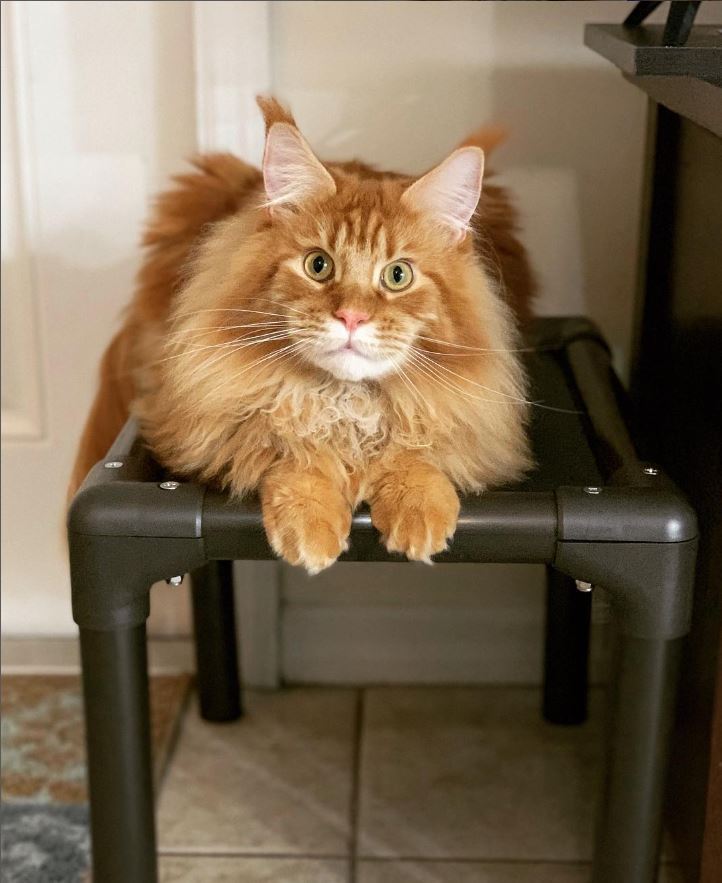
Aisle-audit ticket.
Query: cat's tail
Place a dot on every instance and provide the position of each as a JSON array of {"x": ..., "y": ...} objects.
[
  {"x": 109, "y": 411},
  {"x": 487, "y": 137}
]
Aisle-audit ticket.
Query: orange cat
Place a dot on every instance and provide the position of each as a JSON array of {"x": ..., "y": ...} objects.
[{"x": 327, "y": 334}]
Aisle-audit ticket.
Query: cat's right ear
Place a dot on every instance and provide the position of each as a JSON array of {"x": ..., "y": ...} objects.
[{"x": 291, "y": 172}]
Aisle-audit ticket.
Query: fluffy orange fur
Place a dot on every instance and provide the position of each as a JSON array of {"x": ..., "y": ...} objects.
[{"x": 246, "y": 372}]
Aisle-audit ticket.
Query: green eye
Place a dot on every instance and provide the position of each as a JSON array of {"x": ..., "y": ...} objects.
[
  {"x": 318, "y": 265},
  {"x": 397, "y": 276}
]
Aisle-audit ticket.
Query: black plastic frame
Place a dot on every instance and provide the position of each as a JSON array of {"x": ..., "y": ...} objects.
[{"x": 635, "y": 535}]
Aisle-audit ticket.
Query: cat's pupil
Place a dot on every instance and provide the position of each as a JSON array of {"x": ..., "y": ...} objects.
[
  {"x": 319, "y": 263},
  {"x": 398, "y": 274}
]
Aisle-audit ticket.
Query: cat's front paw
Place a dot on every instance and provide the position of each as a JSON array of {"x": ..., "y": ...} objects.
[
  {"x": 417, "y": 519},
  {"x": 307, "y": 531}
]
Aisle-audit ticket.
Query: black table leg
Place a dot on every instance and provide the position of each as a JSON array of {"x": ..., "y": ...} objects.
[
  {"x": 640, "y": 12},
  {"x": 679, "y": 22},
  {"x": 219, "y": 690},
  {"x": 120, "y": 778},
  {"x": 566, "y": 650}
]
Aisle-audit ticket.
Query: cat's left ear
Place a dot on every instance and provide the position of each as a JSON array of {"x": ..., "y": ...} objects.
[
  {"x": 449, "y": 193},
  {"x": 291, "y": 172}
]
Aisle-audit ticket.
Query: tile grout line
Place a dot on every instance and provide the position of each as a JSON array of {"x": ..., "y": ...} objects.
[
  {"x": 173, "y": 739},
  {"x": 466, "y": 860},
  {"x": 179, "y": 852},
  {"x": 356, "y": 784}
]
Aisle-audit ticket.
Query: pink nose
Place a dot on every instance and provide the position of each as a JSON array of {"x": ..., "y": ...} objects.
[{"x": 352, "y": 318}]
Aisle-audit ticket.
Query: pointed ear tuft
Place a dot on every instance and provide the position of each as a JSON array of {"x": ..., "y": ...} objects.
[
  {"x": 273, "y": 111},
  {"x": 449, "y": 193},
  {"x": 291, "y": 172}
]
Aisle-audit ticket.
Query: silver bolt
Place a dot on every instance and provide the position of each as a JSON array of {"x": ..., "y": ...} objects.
[
  {"x": 592, "y": 490},
  {"x": 650, "y": 470},
  {"x": 113, "y": 464},
  {"x": 169, "y": 485},
  {"x": 175, "y": 580},
  {"x": 583, "y": 586}
]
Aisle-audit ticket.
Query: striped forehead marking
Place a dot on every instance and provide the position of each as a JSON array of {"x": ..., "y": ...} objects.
[{"x": 362, "y": 232}]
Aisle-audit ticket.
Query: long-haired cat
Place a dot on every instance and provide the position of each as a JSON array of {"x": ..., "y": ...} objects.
[{"x": 325, "y": 333}]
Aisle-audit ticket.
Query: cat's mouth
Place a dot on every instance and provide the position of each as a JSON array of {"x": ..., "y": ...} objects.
[
  {"x": 348, "y": 347},
  {"x": 352, "y": 361}
]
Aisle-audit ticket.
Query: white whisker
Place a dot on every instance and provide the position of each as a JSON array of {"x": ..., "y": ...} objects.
[
  {"x": 274, "y": 356},
  {"x": 282, "y": 305},
  {"x": 237, "y": 343},
  {"x": 231, "y": 310},
  {"x": 206, "y": 328},
  {"x": 445, "y": 384},
  {"x": 429, "y": 365},
  {"x": 474, "y": 349},
  {"x": 206, "y": 363},
  {"x": 469, "y": 380}
]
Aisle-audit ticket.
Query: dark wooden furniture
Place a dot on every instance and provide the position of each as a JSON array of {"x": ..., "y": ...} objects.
[{"x": 677, "y": 378}]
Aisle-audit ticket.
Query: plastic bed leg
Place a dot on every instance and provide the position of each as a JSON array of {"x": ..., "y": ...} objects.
[
  {"x": 115, "y": 686},
  {"x": 219, "y": 690},
  {"x": 566, "y": 650},
  {"x": 641, "y": 715}
]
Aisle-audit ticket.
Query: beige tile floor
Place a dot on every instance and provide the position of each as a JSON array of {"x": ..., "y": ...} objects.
[{"x": 387, "y": 785}]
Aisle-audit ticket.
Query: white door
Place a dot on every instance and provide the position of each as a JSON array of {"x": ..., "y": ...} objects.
[{"x": 83, "y": 149}]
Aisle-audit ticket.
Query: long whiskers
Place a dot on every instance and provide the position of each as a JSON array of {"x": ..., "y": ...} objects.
[
  {"x": 399, "y": 371},
  {"x": 428, "y": 372},
  {"x": 473, "y": 350},
  {"x": 231, "y": 310},
  {"x": 283, "y": 306},
  {"x": 202, "y": 329},
  {"x": 434, "y": 371},
  {"x": 279, "y": 306},
  {"x": 236, "y": 347},
  {"x": 430, "y": 362},
  {"x": 269, "y": 358}
]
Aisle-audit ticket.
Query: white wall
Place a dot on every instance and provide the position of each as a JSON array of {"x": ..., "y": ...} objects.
[{"x": 101, "y": 109}]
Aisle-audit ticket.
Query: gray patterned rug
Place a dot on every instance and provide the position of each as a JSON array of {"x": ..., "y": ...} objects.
[
  {"x": 43, "y": 843},
  {"x": 44, "y": 816}
]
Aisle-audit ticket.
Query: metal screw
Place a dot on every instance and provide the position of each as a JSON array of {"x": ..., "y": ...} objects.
[
  {"x": 650, "y": 470},
  {"x": 113, "y": 464},
  {"x": 175, "y": 580},
  {"x": 592, "y": 490},
  {"x": 583, "y": 586},
  {"x": 169, "y": 485}
]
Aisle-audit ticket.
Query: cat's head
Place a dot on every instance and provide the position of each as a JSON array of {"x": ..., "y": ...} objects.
[{"x": 366, "y": 265}]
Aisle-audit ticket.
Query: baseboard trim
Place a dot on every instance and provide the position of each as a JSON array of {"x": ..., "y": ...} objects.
[
  {"x": 44, "y": 655},
  {"x": 358, "y": 645}
]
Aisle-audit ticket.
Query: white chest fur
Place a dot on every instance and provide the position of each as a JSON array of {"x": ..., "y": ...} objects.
[{"x": 349, "y": 417}]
